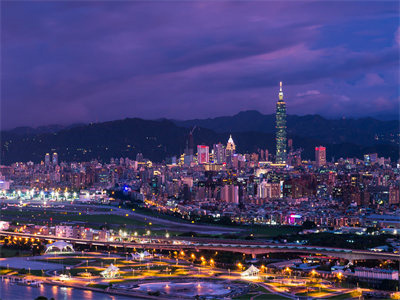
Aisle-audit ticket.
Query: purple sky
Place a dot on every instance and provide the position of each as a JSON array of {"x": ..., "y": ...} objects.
[{"x": 94, "y": 61}]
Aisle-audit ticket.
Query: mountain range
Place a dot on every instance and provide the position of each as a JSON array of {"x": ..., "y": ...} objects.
[{"x": 159, "y": 139}]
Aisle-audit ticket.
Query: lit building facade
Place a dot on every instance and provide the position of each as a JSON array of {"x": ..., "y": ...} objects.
[
  {"x": 55, "y": 159},
  {"x": 281, "y": 145},
  {"x": 320, "y": 156},
  {"x": 203, "y": 154},
  {"x": 219, "y": 153},
  {"x": 230, "y": 193},
  {"x": 47, "y": 159}
]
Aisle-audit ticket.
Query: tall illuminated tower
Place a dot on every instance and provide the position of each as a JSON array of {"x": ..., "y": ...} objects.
[{"x": 281, "y": 153}]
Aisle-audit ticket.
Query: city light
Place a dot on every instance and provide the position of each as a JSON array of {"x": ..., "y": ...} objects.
[{"x": 162, "y": 180}]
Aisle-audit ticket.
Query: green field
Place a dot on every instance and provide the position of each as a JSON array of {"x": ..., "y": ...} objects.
[
  {"x": 260, "y": 293},
  {"x": 351, "y": 295},
  {"x": 272, "y": 230},
  {"x": 38, "y": 217}
]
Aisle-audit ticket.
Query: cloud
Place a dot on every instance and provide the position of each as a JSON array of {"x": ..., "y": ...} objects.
[
  {"x": 372, "y": 79},
  {"x": 90, "y": 61},
  {"x": 308, "y": 93},
  {"x": 397, "y": 37}
]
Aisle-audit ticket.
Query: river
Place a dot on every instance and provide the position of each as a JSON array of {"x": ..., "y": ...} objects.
[{"x": 19, "y": 292}]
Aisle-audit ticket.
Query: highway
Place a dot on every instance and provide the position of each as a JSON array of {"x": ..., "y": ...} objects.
[
  {"x": 248, "y": 247},
  {"x": 171, "y": 225}
]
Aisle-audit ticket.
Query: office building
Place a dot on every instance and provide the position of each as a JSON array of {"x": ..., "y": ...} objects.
[
  {"x": 320, "y": 156},
  {"x": 281, "y": 152},
  {"x": 55, "y": 159},
  {"x": 230, "y": 193},
  {"x": 47, "y": 159},
  {"x": 219, "y": 153},
  {"x": 203, "y": 154}
]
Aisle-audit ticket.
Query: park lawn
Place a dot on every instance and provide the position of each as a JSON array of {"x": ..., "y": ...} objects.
[
  {"x": 7, "y": 252},
  {"x": 272, "y": 231},
  {"x": 265, "y": 294},
  {"x": 246, "y": 296},
  {"x": 98, "y": 285},
  {"x": 5, "y": 271},
  {"x": 156, "y": 214},
  {"x": 93, "y": 270},
  {"x": 257, "y": 230},
  {"x": 345, "y": 296},
  {"x": 64, "y": 261},
  {"x": 39, "y": 273},
  {"x": 269, "y": 296},
  {"x": 71, "y": 261},
  {"x": 43, "y": 217},
  {"x": 317, "y": 293}
]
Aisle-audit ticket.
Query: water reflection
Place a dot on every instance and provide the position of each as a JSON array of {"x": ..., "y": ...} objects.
[{"x": 20, "y": 292}]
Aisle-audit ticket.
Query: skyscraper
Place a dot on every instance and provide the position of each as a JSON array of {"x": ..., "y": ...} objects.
[
  {"x": 320, "y": 156},
  {"x": 281, "y": 153},
  {"x": 47, "y": 159},
  {"x": 230, "y": 146},
  {"x": 203, "y": 153},
  {"x": 55, "y": 158},
  {"x": 219, "y": 153}
]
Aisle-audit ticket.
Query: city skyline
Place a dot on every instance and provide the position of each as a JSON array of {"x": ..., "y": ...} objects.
[
  {"x": 199, "y": 149},
  {"x": 61, "y": 65}
]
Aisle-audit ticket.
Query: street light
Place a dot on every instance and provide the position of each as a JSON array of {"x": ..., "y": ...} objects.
[
  {"x": 211, "y": 262},
  {"x": 288, "y": 270}
]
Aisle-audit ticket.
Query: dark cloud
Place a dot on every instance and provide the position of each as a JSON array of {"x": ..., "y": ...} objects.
[{"x": 65, "y": 62}]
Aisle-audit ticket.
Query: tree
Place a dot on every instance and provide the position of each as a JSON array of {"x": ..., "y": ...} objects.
[{"x": 308, "y": 225}]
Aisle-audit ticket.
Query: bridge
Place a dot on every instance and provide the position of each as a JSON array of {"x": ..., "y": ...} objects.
[{"x": 241, "y": 246}]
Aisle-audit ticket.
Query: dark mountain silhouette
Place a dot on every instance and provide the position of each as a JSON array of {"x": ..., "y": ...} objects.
[
  {"x": 364, "y": 131},
  {"x": 25, "y": 130},
  {"x": 160, "y": 139}
]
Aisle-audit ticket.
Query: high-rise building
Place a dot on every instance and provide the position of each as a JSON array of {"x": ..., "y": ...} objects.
[
  {"x": 47, "y": 159},
  {"x": 190, "y": 143},
  {"x": 281, "y": 152},
  {"x": 269, "y": 190},
  {"x": 370, "y": 159},
  {"x": 320, "y": 156},
  {"x": 230, "y": 146},
  {"x": 55, "y": 158},
  {"x": 230, "y": 193},
  {"x": 230, "y": 150},
  {"x": 219, "y": 153},
  {"x": 203, "y": 153}
]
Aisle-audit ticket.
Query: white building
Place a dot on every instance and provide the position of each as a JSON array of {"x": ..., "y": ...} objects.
[
  {"x": 4, "y": 225},
  {"x": 376, "y": 274},
  {"x": 64, "y": 231}
]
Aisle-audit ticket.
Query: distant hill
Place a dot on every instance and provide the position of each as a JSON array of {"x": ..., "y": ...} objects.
[
  {"x": 364, "y": 131},
  {"x": 164, "y": 138},
  {"x": 25, "y": 130}
]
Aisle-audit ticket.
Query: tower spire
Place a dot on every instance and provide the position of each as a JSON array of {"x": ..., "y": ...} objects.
[{"x": 280, "y": 115}]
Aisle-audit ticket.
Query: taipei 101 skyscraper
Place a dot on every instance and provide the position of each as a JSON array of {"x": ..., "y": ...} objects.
[{"x": 281, "y": 153}]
